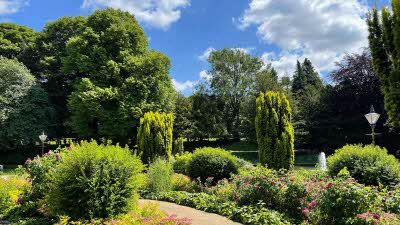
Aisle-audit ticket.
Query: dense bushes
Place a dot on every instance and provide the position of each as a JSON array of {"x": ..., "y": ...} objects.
[
  {"x": 155, "y": 136},
  {"x": 212, "y": 163},
  {"x": 101, "y": 178},
  {"x": 369, "y": 165},
  {"x": 160, "y": 175},
  {"x": 181, "y": 163},
  {"x": 275, "y": 135}
]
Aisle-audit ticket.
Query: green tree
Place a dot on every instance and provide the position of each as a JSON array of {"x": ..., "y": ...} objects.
[
  {"x": 24, "y": 108},
  {"x": 15, "y": 39},
  {"x": 384, "y": 42},
  {"x": 299, "y": 79},
  {"x": 47, "y": 54},
  {"x": 155, "y": 136},
  {"x": 307, "y": 89},
  {"x": 274, "y": 129},
  {"x": 183, "y": 126},
  {"x": 233, "y": 73},
  {"x": 123, "y": 79},
  {"x": 206, "y": 115}
]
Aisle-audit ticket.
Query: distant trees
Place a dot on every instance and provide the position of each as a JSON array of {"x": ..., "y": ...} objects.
[
  {"x": 233, "y": 73},
  {"x": 384, "y": 42},
  {"x": 275, "y": 135},
  {"x": 24, "y": 107},
  {"x": 155, "y": 136},
  {"x": 99, "y": 75},
  {"x": 123, "y": 79}
]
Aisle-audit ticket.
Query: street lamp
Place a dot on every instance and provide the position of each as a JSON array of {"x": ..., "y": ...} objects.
[
  {"x": 372, "y": 118},
  {"x": 43, "y": 138}
]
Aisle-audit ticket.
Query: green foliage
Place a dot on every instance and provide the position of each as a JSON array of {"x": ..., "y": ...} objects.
[
  {"x": 24, "y": 108},
  {"x": 384, "y": 42},
  {"x": 182, "y": 162},
  {"x": 38, "y": 169},
  {"x": 341, "y": 203},
  {"x": 336, "y": 119},
  {"x": 369, "y": 165},
  {"x": 155, "y": 136},
  {"x": 254, "y": 215},
  {"x": 46, "y": 63},
  {"x": 207, "y": 115},
  {"x": 274, "y": 131},
  {"x": 10, "y": 189},
  {"x": 214, "y": 163},
  {"x": 233, "y": 73},
  {"x": 178, "y": 146},
  {"x": 183, "y": 123},
  {"x": 102, "y": 178},
  {"x": 15, "y": 40},
  {"x": 123, "y": 79},
  {"x": 159, "y": 175},
  {"x": 181, "y": 182}
]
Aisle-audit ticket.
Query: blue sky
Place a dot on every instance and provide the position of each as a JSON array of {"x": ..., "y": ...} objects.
[{"x": 278, "y": 31}]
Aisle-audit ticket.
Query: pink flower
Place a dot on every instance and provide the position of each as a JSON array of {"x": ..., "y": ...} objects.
[
  {"x": 28, "y": 161},
  {"x": 58, "y": 157},
  {"x": 245, "y": 184},
  {"x": 312, "y": 204},
  {"x": 329, "y": 185}
]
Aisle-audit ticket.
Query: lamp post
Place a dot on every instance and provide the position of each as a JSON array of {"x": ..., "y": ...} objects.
[
  {"x": 372, "y": 118},
  {"x": 43, "y": 138}
]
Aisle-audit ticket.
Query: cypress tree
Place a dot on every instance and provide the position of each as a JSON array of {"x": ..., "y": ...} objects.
[
  {"x": 384, "y": 42},
  {"x": 275, "y": 135},
  {"x": 155, "y": 136},
  {"x": 299, "y": 79}
]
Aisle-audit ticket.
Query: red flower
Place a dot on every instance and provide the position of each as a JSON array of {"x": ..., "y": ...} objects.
[
  {"x": 312, "y": 204},
  {"x": 329, "y": 185},
  {"x": 376, "y": 216}
]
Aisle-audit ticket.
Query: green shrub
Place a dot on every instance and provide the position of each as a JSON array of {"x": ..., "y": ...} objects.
[
  {"x": 94, "y": 181},
  {"x": 181, "y": 163},
  {"x": 275, "y": 135},
  {"x": 370, "y": 165},
  {"x": 159, "y": 175},
  {"x": 341, "y": 202},
  {"x": 37, "y": 170},
  {"x": 10, "y": 189},
  {"x": 213, "y": 163},
  {"x": 181, "y": 182},
  {"x": 155, "y": 136}
]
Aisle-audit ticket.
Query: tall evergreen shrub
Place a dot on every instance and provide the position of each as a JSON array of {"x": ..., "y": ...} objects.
[
  {"x": 275, "y": 135},
  {"x": 155, "y": 135}
]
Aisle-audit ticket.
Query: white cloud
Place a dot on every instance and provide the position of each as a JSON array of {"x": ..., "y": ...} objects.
[
  {"x": 204, "y": 75},
  {"x": 156, "y": 13},
  {"x": 11, "y": 6},
  {"x": 206, "y": 54},
  {"x": 183, "y": 86},
  {"x": 320, "y": 30}
]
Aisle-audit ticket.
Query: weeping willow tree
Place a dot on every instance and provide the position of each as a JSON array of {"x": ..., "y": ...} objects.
[
  {"x": 275, "y": 135},
  {"x": 155, "y": 136}
]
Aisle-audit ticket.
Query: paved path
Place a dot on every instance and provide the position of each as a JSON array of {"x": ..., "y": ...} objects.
[{"x": 198, "y": 217}]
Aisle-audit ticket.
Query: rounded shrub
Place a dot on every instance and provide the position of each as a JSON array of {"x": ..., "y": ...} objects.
[
  {"x": 212, "y": 162},
  {"x": 370, "y": 165},
  {"x": 94, "y": 181},
  {"x": 181, "y": 163}
]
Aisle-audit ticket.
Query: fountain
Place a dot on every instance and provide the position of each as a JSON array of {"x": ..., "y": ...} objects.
[{"x": 322, "y": 161}]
